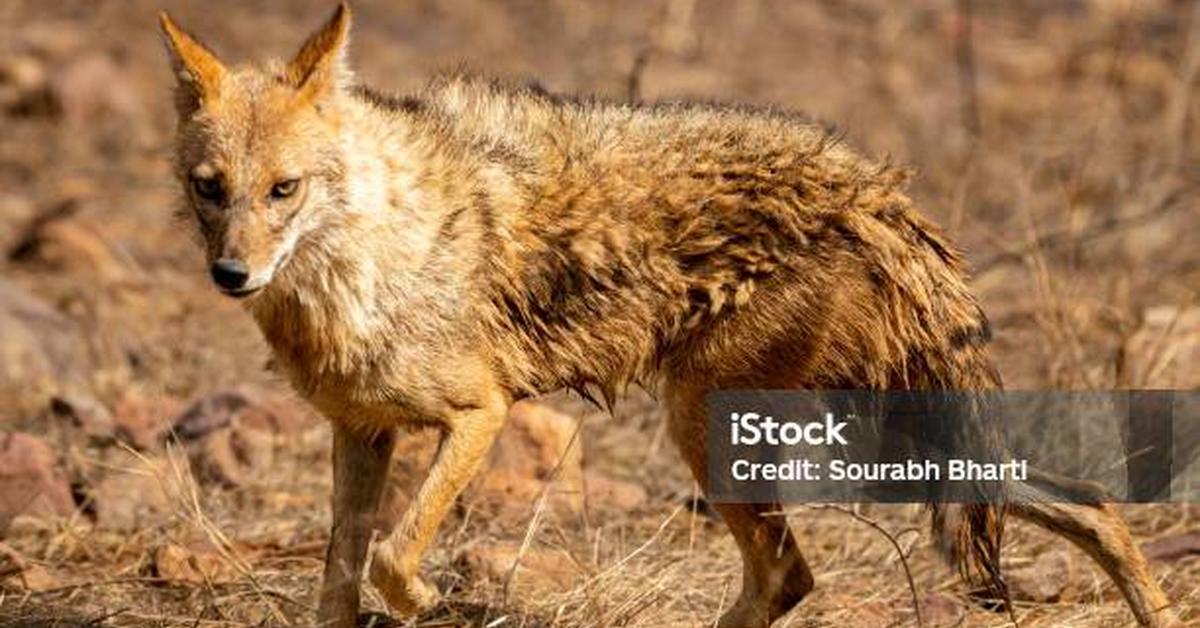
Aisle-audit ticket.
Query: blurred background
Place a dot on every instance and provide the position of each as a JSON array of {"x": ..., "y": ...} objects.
[{"x": 153, "y": 472}]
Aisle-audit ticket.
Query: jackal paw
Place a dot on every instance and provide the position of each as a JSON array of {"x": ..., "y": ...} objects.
[
  {"x": 745, "y": 615},
  {"x": 405, "y": 594}
]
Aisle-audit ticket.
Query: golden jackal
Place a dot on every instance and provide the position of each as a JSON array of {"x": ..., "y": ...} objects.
[{"x": 431, "y": 259}]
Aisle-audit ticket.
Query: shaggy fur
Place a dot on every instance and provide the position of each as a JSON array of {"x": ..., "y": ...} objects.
[{"x": 450, "y": 252}]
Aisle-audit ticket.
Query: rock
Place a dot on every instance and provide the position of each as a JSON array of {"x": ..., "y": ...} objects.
[
  {"x": 10, "y": 560},
  {"x": 54, "y": 38},
  {"x": 536, "y": 441},
  {"x": 540, "y": 571},
  {"x": 197, "y": 563},
  {"x": 861, "y": 613},
  {"x": 19, "y": 73},
  {"x": 206, "y": 415},
  {"x": 939, "y": 609},
  {"x": 69, "y": 244},
  {"x": 40, "y": 349},
  {"x": 232, "y": 455},
  {"x": 1173, "y": 547},
  {"x": 31, "y": 483},
  {"x": 65, "y": 82},
  {"x": 509, "y": 496},
  {"x": 23, "y": 575},
  {"x": 84, "y": 413},
  {"x": 534, "y": 448},
  {"x": 136, "y": 491},
  {"x": 278, "y": 413},
  {"x": 529, "y": 452},
  {"x": 92, "y": 84},
  {"x": 1042, "y": 581},
  {"x": 231, "y": 435},
  {"x": 34, "y": 578},
  {"x": 410, "y": 464},
  {"x": 16, "y": 213},
  {"x": 248, "y": 407},
  {"x": 606, "y": 493},
  {"x": 143, "y": 421},
  {"x": 25, "y": 88}
]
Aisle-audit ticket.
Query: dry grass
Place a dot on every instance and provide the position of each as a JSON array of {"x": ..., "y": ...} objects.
[{"x": 1056, "y": 139}]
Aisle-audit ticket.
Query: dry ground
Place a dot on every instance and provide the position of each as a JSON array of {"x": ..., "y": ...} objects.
[{"x": 1057, "y": 140}]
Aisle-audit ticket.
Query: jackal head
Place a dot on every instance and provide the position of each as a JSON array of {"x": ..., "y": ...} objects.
[{"x": 258, "y": 150}]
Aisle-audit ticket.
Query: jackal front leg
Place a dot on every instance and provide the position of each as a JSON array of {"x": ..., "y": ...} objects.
[
  {"x": 360, "y": 466},
  {"x": 396, "y": 561}
]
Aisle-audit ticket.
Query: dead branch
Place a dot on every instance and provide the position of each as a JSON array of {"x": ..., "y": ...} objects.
[{"x": 912, "y": 586}]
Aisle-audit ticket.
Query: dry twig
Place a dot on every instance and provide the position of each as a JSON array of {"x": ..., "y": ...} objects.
[{"x": 912, "y": 586}]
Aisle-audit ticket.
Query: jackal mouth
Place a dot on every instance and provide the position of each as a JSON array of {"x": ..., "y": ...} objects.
[{"x": 241, "y": 293}]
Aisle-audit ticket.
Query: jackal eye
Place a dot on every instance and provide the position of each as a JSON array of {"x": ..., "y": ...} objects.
[
  {"x": 285, "y": 188},
  {"x": 208, "y": 188}
]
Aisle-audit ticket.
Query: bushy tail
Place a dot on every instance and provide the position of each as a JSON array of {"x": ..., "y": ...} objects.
[
  {"x": 969, "y": 536},
  {"x": 968, "y": 519}
]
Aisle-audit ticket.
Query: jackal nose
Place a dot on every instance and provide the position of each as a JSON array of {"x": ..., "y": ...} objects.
[{"x": 230, "y": 274}]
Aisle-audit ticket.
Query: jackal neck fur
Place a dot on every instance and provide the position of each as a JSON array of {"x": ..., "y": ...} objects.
[{"x": 578, "y": 243}]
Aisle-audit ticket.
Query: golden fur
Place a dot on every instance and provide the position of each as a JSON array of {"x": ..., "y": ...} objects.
[{"x": 448, "y": 253}]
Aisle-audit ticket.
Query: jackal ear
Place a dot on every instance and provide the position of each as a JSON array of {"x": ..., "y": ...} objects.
[
  {"x": 320, "y": 68},
  {"x": 197, "y": 68}
]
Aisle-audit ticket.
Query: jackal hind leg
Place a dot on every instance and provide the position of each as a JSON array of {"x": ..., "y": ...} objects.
[
  {"x": 775, "y": 576},
  {"x": 1100, "y": 532},
  {"x": 360, "y": 467},
  {"x": 396, "y": 560}
]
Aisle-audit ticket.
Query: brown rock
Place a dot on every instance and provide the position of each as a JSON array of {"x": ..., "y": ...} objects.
[
  {"x": 91, "y": 84},
  {"x": 255, "y": 409},
  {"x": 410, "y": 464},
  {"x": 539, "y": 570},
  {"x": 19, "y": 574},
  {"x": 137, "y": 492},
  {"x": 62, "y": 82},
  {"x": 231, "y": 455},
  {"x": 53, "y": 39},
  {"x": 606, "y": 493},
  {"x": 16, "y": 213},
  {"x": 84, "y": 413},
  {"x": 24, "y": 86},
  {"x": 31, "y": 482},
  {"x": 12, "y": 564},
  {"x": 939, "y": 609},
  {"x": 1042, "y": 581},
  {"x": 69, "y": 244},
  {"x": 536, "y": 441},
  {"x": 861, "y": 613},
  {"x": 40, "y": 349},
  {"x": 504, "y": 493},
  {"x": 207, "y": 414},
  {"x": 280, "y": 413},
  {"x": 534, "y": 448},
  {"x": 143, "y": 421},
  {"x": 1173, "y": 547},
  {"x": 36, "y": 578},
  {"x": 231, "y": 434},
  {"x": 195, "y": 564}
]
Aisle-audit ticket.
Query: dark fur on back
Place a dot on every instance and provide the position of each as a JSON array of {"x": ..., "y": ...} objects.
[
  {"x": 653, "y": 228},
  {"x": 695, "y": 242}
]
